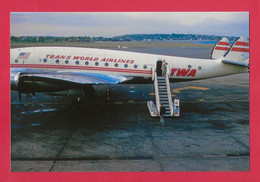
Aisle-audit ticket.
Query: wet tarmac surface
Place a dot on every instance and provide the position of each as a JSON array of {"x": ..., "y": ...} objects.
[{"x": 212, "y": 133}]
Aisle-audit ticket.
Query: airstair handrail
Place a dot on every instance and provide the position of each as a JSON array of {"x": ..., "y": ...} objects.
[
  {"x": 153, "y": 73},
  {"x": 169, "y": 90},
  {"x": 156, "y": 92}
]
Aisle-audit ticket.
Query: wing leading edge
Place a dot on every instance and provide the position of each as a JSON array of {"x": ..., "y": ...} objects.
[{"x": 75, "y": 78}]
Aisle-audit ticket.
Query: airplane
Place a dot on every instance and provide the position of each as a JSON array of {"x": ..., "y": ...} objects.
[{"x": 54, "y": 69}]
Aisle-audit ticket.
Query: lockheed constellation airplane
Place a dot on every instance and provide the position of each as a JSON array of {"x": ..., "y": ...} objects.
[{"x": 53, "y": 69}]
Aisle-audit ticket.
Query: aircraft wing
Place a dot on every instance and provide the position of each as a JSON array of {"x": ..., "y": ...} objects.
[{"x": 73, "y": 78}]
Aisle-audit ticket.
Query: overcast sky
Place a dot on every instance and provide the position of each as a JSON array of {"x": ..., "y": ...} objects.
[{"x": 112, "y": 24}]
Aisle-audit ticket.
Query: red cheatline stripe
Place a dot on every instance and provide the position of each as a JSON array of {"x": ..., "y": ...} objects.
[
  {"x": 242, "y": 43},
  {"x": 222, "y": 48},
  {"x": 224, "y": 43},
  {"x": 81, "y": 68},
  {"x": 240, "y": 49}
]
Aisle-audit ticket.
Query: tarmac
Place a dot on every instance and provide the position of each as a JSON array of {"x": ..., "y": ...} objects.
[{"x": 49, "y": 134}]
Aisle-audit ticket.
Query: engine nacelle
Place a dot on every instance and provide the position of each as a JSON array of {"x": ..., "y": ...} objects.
[{"x": 14, "y": 79}]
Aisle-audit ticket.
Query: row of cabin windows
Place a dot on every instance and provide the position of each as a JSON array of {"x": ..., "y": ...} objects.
[{"x": 96, "y": 63}]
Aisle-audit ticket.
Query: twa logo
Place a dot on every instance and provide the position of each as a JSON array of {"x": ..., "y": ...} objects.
[{"x": 183, "y": 72}]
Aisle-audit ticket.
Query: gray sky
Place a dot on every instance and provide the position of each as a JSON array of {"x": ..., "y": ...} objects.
[{"x": 112, "y": 24}]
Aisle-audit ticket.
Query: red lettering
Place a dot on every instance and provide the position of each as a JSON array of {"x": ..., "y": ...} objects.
[
  {"x": 62, "y": 57},
  {"x": 182, "y": 72},
  {"x": 173, "y": 71},
  {"x": 76, "y": 57},
  {"x": 127, "y": 61},
  {"x": 192, "y": 73},
  {"x": 68, "y": 57},
  {"x": 82, "y": 58},
  {"x": 52, "y": 56},
  {"x": 132, "y": 61},
  {"x": 104, "y": 59},
  {"x": 57, "y": 57},
  {"x": 96, "y": 59},
  {"x": 91, "y": 59},
  {"x": 111, "y": 60},
  {"x": 47, "y": 56}
]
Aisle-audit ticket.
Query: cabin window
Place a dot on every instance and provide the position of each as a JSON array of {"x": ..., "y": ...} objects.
[
  {"x": 135, "y": 66},
  {"x": 189, "y": 66},
  {"x": 40, "y": 60},
  {"x": 66, "y": 62},
  {"x": 199, "y": 68},
  {"x": 126, "y": 65},
  {"x": 86, "y": 63},
  {"x": 116, "y": 65},
  {"x": 45, "y": 60},
  {"x": 57, "y": 61},
  {"x": 96, "y": 63},
  {"x": 77, "y": 62},
  {"x": 145, "y": 67},
  {"x": 16, "y": 61},
  {"x": 106, "y": 64}
]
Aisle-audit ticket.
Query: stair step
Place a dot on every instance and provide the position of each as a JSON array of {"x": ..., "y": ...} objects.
[
  {"x": 164, "y": 96},
  {"x": 164, "y": 99},
  {"x": 163, "y": 93},
  {"x": 161, "y": 81},
  {"x": 160, "y": 77},
  {"x": 166, "y": 105},
  {"x": 165, "y": 102},
  {"x": 162, "y": 89}
]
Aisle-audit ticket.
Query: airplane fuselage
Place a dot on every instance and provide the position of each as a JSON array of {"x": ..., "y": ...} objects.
[{"x": 69, "y": 59}]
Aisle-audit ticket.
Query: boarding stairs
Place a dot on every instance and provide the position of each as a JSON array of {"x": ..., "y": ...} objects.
[{"x": 162, "y": 92}]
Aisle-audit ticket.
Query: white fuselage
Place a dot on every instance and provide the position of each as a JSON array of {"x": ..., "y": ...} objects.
[{"x": 68, "y": 59}]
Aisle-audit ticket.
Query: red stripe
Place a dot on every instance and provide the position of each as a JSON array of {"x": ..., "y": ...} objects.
[
  {"x": 242, "y": 43},
  {"x": 224, "y": 43},
  {"x": 82, "y": 68},
  {"x": 237, "y": 49},
  {"x": 222, "y": 48}
]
